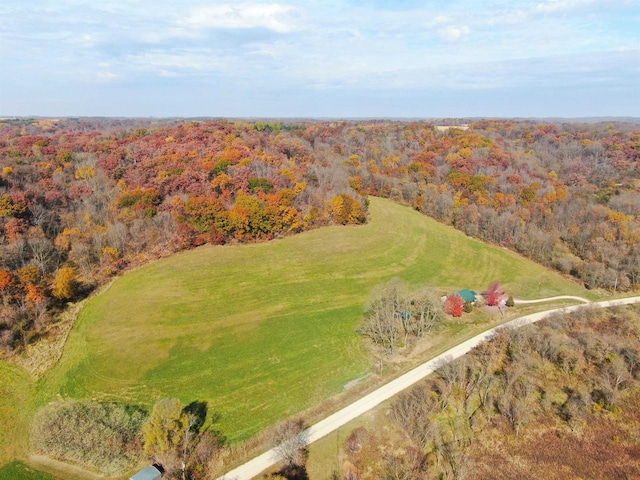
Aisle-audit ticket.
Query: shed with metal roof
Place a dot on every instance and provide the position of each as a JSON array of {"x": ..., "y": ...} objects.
[
  {"x": 148, "y": 473},
  {"x": 467, "y": 295}
]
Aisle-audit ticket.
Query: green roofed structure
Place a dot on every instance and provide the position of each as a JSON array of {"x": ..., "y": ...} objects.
[
  {"x": 148, "y": 473},
  {"x": 467, "y": 295}
]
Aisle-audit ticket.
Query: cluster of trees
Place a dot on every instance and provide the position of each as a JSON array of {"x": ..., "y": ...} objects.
[
  {"x": 113, "y": 439},
  {"x": 397, "y": 318},
  {"x": 174, "y": 438},
  {"x": 104, "y": 437},
  {"x": 558, "y": 373},
  {"x": 82, "y": 200},
  {"x": 94, "y": 197},
  {"x": 562, "y": 194}
]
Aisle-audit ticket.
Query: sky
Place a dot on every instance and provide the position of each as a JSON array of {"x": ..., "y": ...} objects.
[{"x": 320, "y": 58}]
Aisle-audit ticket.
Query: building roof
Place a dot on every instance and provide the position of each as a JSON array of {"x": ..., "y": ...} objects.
[
  {"x": 147, "y": 473},
  {"x": 467, "y": 295}
]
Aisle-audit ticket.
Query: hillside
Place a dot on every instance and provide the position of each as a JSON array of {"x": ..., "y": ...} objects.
[
  {"x": 262, "y": 331},
  {"x": 82, "y": 201},
  {"x": 558, "y": 399}
]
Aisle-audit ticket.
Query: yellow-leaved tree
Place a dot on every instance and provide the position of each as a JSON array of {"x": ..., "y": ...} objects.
[
  {"x": 65, "y": 283},
  {"x": 164, "y": 431},
  {"x": 346, "y": 210}
]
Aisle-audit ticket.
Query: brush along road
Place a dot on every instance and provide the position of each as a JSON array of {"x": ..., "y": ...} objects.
[{"x": 254, "y": 467}]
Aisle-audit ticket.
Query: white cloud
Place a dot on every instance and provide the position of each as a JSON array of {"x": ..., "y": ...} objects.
[
  {"x": 453, "y": 34},
  {"x": 272, "y": 16},
  {"x": 554, "y": 6},
  {"x": 438, "y": 20},
  {"x": 601, "y": 69},
  {"x": 167, "y": 63},
  {"x": 330, "y": 44},
  {"x": 106, "y": 76}
]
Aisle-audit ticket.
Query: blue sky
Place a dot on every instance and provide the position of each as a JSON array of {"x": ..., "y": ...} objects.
[{"x": 313, "y": 58}]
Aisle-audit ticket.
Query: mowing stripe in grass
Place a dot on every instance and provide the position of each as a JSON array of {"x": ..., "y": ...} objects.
[{"x": 265, "y": 330}]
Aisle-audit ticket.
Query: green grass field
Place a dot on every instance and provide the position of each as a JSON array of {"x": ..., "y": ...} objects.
[
  {"x": 16, "y": 393},
  {"x": 260, "y": 331},
  {"x": 20, "y": 471}
]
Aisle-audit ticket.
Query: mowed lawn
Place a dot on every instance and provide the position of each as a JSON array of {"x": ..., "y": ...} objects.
[
  {"x": 20, "y": 471},
  {"x": 263, "y": 331},
  {"x": 16, "y": 394}
]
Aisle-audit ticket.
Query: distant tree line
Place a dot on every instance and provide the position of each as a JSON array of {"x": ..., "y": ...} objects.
[{"x": 81, "y": 200}]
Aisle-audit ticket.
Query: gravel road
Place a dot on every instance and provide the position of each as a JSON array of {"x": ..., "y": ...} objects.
[{"x": 257, "y": 465}]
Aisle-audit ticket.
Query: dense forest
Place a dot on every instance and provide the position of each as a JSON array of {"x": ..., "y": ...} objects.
[
  {"x": 555, "y": 400},
  {"x": 81, "y": 200}
]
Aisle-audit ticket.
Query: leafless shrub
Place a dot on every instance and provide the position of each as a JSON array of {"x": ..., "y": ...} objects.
[
  {"x": 290, "y": 440},
  {"x": 413, "y": 411},
  {"x": 103, "y": 436}
]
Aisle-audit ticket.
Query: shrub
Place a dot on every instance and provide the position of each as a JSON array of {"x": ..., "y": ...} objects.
[
  {"x": 263, "y": 184},
  {"x": 102, "y": 436},
  {"x": 468, "y": 307},
  {"x": 347, "y": 210}
]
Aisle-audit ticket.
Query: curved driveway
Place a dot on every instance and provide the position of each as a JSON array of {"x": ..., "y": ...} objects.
[
  {"x": 257, "y": 465},
  {"x": 550, "y": 299}
]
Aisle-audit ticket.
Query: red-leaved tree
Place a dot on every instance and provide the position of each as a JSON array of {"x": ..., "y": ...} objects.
[
  {"x": 494, "y": 293},
  {"x": 454, "y": 305}
]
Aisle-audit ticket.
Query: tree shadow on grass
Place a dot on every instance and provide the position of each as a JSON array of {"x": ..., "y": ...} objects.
[
  {"x": 199, "y": 411},
  {"x": 293, "y": 472}
]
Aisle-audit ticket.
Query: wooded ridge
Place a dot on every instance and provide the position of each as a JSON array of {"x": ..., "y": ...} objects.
[{"x": 81, "y": 200}]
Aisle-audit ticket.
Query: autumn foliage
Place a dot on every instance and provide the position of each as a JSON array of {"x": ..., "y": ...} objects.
[
  {"x": 101, "y": 195},
  {"x": 64, "y": 283},
  {"x": 558, "y": 399},
  {"x": 346, "y": 210},
  {"x": 494, "y": 294},
  {"x": 454, "y": 305},
  {"x": 80, "y": 201}
]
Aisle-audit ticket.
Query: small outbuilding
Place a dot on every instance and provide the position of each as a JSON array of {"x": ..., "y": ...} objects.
[
  {"x": 148, "y": 473},
  {"x": 467, "y": 295}
]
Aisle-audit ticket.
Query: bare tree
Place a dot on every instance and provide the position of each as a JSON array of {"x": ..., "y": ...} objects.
[
  {"x": 290, "y": 440},
  {"x": 382, "y": 319},
  {"x": 427, "y": 312},
  {"x": 394, "y": 317},
  {"x": 515, "y": 404},
  {"x": 43, "y": 254},
  {"x": 412, "y": 412},
  {"x": 614, "y": 375},
  {"x": 407, "y": 465},
  {"x": 187, "y": 440},
  {"x": 452, "y": 447}
]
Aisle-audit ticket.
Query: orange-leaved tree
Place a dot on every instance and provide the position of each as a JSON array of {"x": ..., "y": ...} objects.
[{"x": 454, "y": 305}]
